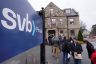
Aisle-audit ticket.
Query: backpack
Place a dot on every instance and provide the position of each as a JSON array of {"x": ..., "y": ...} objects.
[
  {"x": 55, "y": 39},
  {"x": 65, "y": 47}
]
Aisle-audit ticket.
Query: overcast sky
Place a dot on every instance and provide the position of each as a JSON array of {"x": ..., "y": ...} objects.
[{"x": 86, "y": 8}]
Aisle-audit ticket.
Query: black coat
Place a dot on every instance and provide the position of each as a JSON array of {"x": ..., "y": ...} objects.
[
  {"x": 66, "y": 46},
  {"x": 50, "y": 39},
  {"x": 76, "y": 48},
  {"x": 90, "y": 49}
]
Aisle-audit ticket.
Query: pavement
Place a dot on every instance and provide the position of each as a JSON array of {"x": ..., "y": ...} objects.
[
  {"x": 52, "y": 60},
  {"x": 32, "y": 56}
]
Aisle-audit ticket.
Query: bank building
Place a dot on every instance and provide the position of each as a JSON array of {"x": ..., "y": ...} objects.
[{"x": 63, "y": 22}]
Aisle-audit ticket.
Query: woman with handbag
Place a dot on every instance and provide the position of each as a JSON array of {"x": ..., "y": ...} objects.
[{"x": 76, "y": 50}]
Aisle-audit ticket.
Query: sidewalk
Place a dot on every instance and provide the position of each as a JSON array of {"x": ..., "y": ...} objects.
[{"x": 52, "y": 60}]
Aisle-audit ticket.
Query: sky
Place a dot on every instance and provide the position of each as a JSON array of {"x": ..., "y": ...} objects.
[{"x": 86, "y": 8}]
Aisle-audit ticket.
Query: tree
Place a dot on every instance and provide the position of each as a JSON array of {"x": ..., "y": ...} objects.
[
  {"x": 93, "y": 30},
  {"x": 82, "y": 26},
  {"x": 80, "y": 36}
]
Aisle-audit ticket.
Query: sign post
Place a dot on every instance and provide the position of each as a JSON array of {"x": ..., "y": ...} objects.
[{"x": 42, "y": 47}]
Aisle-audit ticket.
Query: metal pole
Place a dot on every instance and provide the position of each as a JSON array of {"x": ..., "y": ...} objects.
[
  {"x": 26, "y": 62},
  {"x": 42, "y": 46},
  {"x": 67, "y": 27}
]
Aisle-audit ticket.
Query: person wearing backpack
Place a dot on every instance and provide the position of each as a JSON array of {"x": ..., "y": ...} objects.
[
  {"x": 65, "y": 50},
  {"x": 55, "y": 41}
]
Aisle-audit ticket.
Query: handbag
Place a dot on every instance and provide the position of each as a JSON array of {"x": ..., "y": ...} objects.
[{"x": 78, "y": 56}]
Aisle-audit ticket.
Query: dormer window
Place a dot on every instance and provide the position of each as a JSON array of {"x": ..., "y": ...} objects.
[{"x": 67, "y": 11}]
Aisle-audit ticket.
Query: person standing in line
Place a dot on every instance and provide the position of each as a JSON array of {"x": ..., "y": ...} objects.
[
  {"x": 60, "y": 42},
  {"x": 55, "y": 40},
  {"x": 50, "y": 39},
  {"x": 90, "y": 49},
  {"x": 76, "y": 49},
  {"x": 50, "y": 42},
  {"x": 93, "y": 56},
  {"x": 66, "y": 50},
  {"x": 70, "y": 40}
]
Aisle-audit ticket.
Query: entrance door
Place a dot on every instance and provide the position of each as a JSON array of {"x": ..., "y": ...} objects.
[{"x": 51, "y": 32}]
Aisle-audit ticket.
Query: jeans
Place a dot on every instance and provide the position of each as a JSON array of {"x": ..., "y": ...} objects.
[
  {"x": 65, "y": 58},
  {"x": 77, "y": 61}
]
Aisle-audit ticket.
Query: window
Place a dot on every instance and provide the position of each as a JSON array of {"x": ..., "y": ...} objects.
[
  {"x": 71, "y": 21},
  {"x": 51, "y": 11},
  {"x": 49, "y": 22},
  {"x": 53, "y": 21},
  {"x": 72, "y": 32},
  {"x": 67, "y": 11},
  {"x": 61, "y": 21},
  {"x": 61, "y": 31}
]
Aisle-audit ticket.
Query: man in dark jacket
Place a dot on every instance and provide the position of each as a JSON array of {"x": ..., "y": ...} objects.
[{"x": 66, "y": 50}]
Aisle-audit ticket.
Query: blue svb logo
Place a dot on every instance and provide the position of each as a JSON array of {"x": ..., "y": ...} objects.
[{"x": 20, "y": 28}]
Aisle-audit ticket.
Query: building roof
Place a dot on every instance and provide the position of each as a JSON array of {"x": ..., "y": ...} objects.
[
  {"x": 51, "y": 4},
  {"x": 57, "y": 10},
  {"x": 70, "y": 12}
]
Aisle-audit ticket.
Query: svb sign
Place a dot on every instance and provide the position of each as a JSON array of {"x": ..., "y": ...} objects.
[
  {"x": 20, "y": 28},
  {"x": 25, "y": 23}
]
